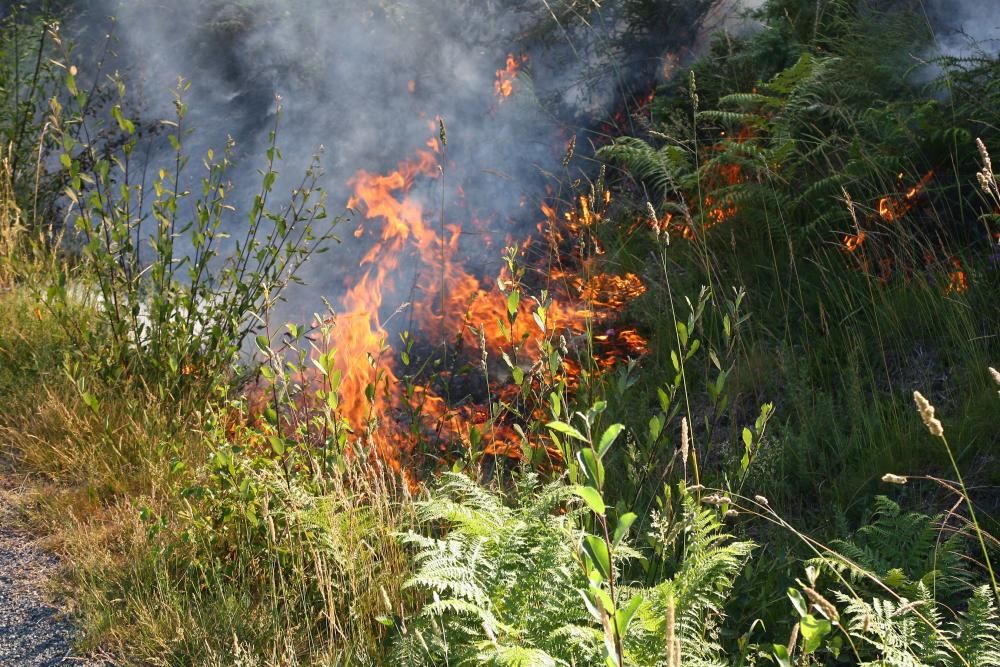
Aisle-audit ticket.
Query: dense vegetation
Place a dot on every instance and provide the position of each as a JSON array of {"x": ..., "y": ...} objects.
[{"x": 815, "y": 221}]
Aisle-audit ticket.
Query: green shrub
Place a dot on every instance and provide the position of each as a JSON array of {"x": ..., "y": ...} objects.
[{"x": 179, "y": 284}]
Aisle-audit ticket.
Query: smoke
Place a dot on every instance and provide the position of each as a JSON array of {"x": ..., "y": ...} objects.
[
  {"x": 367, "y": 79},
  {"x": 965, "y": 28}
]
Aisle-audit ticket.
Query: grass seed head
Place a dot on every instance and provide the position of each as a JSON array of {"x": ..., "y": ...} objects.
[
  {"x": 685, "y": 440},
  {"x": 824, "y": 606},
  {"x": 984, "y": 154},
  {"x": 926, "y": 411}
]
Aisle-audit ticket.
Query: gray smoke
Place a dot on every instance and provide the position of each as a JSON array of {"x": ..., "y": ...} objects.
[
  {"x": 366, "y": 79},
  {"x": 965, "y": 28}
]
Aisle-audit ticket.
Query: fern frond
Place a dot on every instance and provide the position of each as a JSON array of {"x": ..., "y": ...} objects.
[
  {"x": 977, "y": 631},
  {"x": 658, "y": 169}
]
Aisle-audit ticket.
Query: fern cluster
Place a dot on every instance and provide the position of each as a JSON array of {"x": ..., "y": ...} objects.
[
  {"x": 808, "y": 108},
  {"x": 502, "y": 583},
  {"x": 502, "y": 580},
  {"x": 906, "y": 551},
  {"x": 912, "y": 633}
]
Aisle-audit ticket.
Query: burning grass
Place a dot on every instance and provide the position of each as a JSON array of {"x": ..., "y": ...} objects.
[
  {"x": 506, "y": 77},
  {"x": 402, "y": 412}
]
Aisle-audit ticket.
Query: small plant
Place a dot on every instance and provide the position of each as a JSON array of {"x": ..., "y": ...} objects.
[
  {"x": 913, "y": 632},
  {"x": 904, "y": 550},
  {"x": 179, "y": 283}
]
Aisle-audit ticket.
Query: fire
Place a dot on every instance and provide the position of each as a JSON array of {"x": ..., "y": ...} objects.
[
  {"x": 892, "y": 208},
  {"x": 389, "y": 409},
  {"x": 609, "y": 292},
  {"x": 854, "y": 241},
  {"x": 504, "y": 85},
  {"x": 957, "y": 281},
  {"x": 638, "y": 106},
  {"x": 717, "y": 210}
]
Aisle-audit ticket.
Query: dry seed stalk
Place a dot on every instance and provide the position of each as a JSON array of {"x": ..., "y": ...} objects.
[
  {"x": 926, "y": 411},
  {"x": 685, "y": 443}
]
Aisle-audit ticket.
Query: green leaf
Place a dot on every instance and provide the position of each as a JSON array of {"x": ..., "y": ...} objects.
[
  {"x": 598, "y": 552},
  {"x": 655, "y": 427},
  {"x": 798, "y": 602},
  {"x": 592, "y": 466},
  {"x": 556, "y": 404},
  {"x": 664, "y": 399},
  {"x": 682, "y": 333},
  {"x": 563, "y": 427},
  {"x": 610, "y": 434},
  {"x": 91, "y": 401},
  {"x": 781, "y": 655},
  {"x": 513, "y": 301},
  {"x": 624, "y": 523},
  {"x": 263, "y": 344},
  {"x": 720, "y": 382},
  {"x": 624, "y": 616},
  {"x": 591, "y": 604},
  {"x": 835, "y": 645},
  {"x": 747, "y": 437},
  {"x": 813, "y": 631},
  {"x": 539, "y": 317},
  {"x": 592, "y": 497},
  {"x": 271, "y": 415}
]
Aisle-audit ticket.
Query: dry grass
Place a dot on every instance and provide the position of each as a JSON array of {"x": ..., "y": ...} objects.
[
  {"x": 11, "y": 228},
  {"x": 303, "y": 584},
  {"x": 174, "y": 559}
]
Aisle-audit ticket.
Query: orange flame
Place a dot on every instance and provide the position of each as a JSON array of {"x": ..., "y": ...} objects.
[
  {"x": 504, "y": 85},
  {"x": 449, "y": 301},
  {"x": 892, "y": 208},
  {"x": 854, "y": 241},
  {"x": 957, "y": 281}
]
